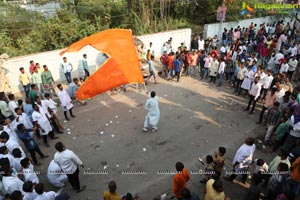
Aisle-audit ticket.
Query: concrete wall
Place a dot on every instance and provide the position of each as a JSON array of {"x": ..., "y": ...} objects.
[
  {"x": 53, "y": 60},
  {"x": 211, "y": 30}
]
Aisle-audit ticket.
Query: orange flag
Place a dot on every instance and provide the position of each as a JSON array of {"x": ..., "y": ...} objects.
[{"x": 122, "y": 66}]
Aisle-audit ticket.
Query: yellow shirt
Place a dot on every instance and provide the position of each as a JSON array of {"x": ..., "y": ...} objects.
[
  {"x": 108, "y": 196},
  {"x": 24, "y": 79},
  {"x": 211, "y": 194}
]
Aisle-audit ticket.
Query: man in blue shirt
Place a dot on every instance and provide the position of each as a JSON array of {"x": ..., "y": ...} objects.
[
  {"x": 177, "y": 66},
  {"x": 26, "y": 135},
  {"x": 151, "y": 71}
]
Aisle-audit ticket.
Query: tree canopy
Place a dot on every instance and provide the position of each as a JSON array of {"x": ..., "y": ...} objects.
[{"x": 24, "y": 32}]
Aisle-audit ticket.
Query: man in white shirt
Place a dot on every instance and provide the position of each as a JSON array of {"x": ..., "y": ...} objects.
[
  {"x": 29, "y": 192},
  {"x": 42, "y": 195},
  {"x": 277, "y": 58},
  {"x": 10, "y": 182},
  {"x": 12, "y": 104},
  {"x": 294, "y": 49},
  {"x": 201, "y": 44},
  {"x": 21, "y": 118},
  {"x": 9, "y": 143},
  {"x": 69, "y": 162},
  {"x": 292, "y": 67},
  {"x": 280, "y": 91},
  {"x": 254, "y": 94},
  {"x": 8, "y": 128},
  {"x": 221, "y": 72},
  {"x": 223, "y": 49},
  {"x": 284, "y": 67},
  {"x": 67, "y": 67},
  {"x": 28, "y": 171},
  {"x": 41, "y": 121},
  {"x": 66, "y": 102}
]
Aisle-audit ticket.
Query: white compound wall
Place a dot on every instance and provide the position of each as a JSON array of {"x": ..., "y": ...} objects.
[{"x": 52, "y": 58}]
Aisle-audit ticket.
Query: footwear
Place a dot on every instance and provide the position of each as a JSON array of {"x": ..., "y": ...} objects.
[
  {"x": 145, "y": 129},
  {"x": 67, "y": 119},
  {"x": 73, "y": 116},
  {"x": 45, "y": 156},
  {"x": 81, "y": 189},
  {"x": 61, "y": 132},
  {"x": 54, "y": 138},
  {"x": 47, "y": 145},
  {"x": 154, "y": 130}
]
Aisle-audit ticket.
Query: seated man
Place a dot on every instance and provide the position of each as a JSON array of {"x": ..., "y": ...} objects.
[
  {"x": 55, "y": 175},
  {"x": 72, "y": 90}
]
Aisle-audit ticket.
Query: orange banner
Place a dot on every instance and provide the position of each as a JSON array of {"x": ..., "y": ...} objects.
[{"x": 122, "y": 66}]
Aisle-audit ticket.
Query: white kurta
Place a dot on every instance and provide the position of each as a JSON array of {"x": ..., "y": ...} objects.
[
  {"x": 12, "y": 106},
  {"x": 243, "y": 156},
  {"x": 10, "y": 158},
  {"x": 248, "y": 80},
  {"x": 153, "y": 112},
  {"x": 214, "y": 68},
  {"x": 43, "y": 121},
  {"x": 11, "y": 184},
  {"x": 44, "y": 108},
  {"x": 30, "y": 175},
  {"x": 12, "y": 134},
  {"x": 55, "y": 175},
  {"x": 52, "y": 105},
  {"x": 47, "y": 196},
  {"x": 12, "y": 144},
  {"x": 30, "y": 195},
  {"x": 23, "y": 119},
  {"x": 65, "y": 100},
  {"x": 16, "y": 164}
]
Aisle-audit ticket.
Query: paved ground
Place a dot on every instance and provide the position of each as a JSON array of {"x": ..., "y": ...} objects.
[{"x": 196, "y": 118}]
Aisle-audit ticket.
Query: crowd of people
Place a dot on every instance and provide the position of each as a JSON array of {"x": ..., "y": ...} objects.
[
  {"x": 259, "y": 61},
  {"x": 23, "y": 122}
]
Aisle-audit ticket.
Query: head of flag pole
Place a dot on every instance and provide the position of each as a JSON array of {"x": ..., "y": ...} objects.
[{"x": 121, "y": 67}]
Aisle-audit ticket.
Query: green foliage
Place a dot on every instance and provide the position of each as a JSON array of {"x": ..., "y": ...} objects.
[{"x": 24, "y": 32}]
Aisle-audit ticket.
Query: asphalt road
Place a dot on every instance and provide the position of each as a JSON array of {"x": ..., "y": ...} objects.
[{"x": 196, "y": 118}]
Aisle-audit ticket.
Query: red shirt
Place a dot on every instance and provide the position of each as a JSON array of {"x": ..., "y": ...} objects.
[
  {"x": 215, "y": 52},
  {"x": 31, "y": 69},
  {"x": 265, "y": 52},
  {"x": 164, "y": 60}
]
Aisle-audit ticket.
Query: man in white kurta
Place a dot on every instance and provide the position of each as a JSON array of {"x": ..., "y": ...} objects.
[
  {"x": 69, "y": 162},
  {"x": 153, "y": 113},
  {"x": 242, "y": 160},
  {"x": 42, "y": 122},
  {"x": 21, "y": 118},
  {"x": 11, "y": 184},
  {"x": 66, "y": 102},
  {"x": 55, "y": 175},
  {"x": 11, "y": 144},
  {"x": 42, "y": 195},
  {"x": 29, "y": 173}
]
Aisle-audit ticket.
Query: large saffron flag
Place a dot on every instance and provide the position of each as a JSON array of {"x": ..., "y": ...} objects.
[{"x": 121, "y": 67}]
